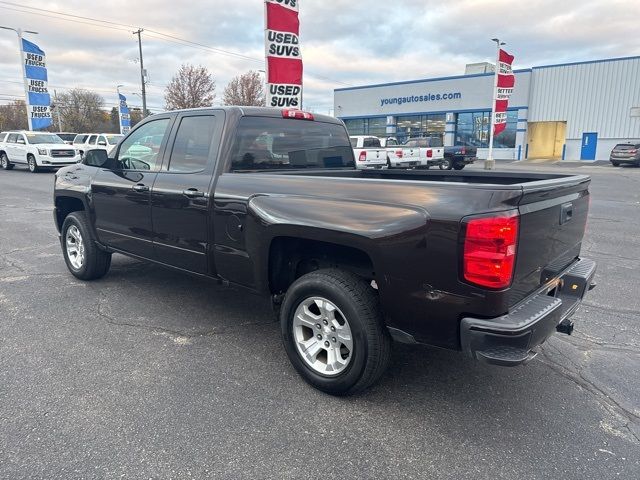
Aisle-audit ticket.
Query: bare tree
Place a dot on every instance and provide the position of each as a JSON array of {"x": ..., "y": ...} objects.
[
  {"x": 81, "y": 111},
  {"x": 191, "y": 87},
  {"x": 245, "y": 89},
  {"x": 13, "y": 116}
]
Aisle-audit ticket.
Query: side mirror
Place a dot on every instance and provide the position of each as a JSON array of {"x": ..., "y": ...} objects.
[
  {"x": 102, "y": 143},
  {"x": 21, "y": 141},
  {"x": 95, "y": 158}
]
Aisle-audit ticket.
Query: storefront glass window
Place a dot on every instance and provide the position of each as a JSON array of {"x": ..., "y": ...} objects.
[
  {"x": 356, "y": 126},
  {"x": 412, "y": 126},
  {"x": 473, "y": 129},
  {"x": 378, "y": 127}
]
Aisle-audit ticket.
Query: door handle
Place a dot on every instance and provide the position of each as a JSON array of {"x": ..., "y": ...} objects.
[
  {"x": 192, "y": 193},
  {"x": 140, "y": 188}
]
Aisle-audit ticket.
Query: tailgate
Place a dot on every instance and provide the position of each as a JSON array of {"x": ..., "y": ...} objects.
[
  {"x": 553, "y": 216},
  {"x": 376, "y": 155}
]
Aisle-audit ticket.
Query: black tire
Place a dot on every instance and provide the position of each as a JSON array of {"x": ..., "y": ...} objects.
[
  {"x": 97, "y": 262},
  {"x": 446, "y": 164},
  {"x": 458, "y": 166},
  {"x": 4, "y": 161},
  {"x": 615, "y": 164},
  {"x": 359, "y": 303},
  {"x": 32, "y": 164}
]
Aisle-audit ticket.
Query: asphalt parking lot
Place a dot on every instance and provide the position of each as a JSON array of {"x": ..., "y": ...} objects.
[{"x": 151, "y": 374}]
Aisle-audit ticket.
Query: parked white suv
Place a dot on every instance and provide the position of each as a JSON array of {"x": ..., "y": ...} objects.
[
  {"x": 37, "y": 150},
  {"x": 93, "y": 141}
]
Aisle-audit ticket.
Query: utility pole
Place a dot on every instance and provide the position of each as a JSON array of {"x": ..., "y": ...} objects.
[
  {"x": 19, "y": 31},
  {"x": 142, "y": 75}
]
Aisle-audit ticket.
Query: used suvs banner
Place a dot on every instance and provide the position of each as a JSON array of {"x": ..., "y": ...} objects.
[{"x": 283, "y": 56}]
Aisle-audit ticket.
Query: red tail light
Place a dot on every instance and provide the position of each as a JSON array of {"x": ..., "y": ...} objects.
[
  {"x": 297, "y": 114},
  {"x": 399, "y": 153},
  {"x": 429, "y": 153},
  {"x": 635, "y": 150},
  {"x": 490, "y": 250},
  {"x": 463, "y": 150},
  {"x": 362, "y": 157}
]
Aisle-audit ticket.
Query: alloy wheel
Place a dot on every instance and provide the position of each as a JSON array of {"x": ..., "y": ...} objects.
[
  {"x": 75, "y": 247},
  {"x": 322, "y": 336}
]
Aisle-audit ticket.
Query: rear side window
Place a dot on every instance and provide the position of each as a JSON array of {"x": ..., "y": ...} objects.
[
  {"x": 2, "y": 136},
  {"x": 192, "y": 145},
  {"x": 266, "y": 143},
  {"x": 12, "y": 137},
  {"x": 80, "y": 138},
  {"x": 371, "y": 142},
  {"x": 391, "y": 142}
]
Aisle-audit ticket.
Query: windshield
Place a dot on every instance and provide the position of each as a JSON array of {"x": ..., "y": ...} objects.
[
  {"x": 266, "y": 143},
  {"x": 67, "y": 137},
  {"x": 114, "y": 139},
  {"x": 38, "y": 138}
]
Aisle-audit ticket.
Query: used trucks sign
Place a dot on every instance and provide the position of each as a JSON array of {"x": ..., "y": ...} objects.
[{"x": 282, "y": 50}]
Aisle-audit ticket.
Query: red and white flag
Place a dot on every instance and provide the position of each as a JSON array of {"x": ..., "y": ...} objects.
[
  {"x": 504, "y": 89},
  {"x": 283, "y": 56}
]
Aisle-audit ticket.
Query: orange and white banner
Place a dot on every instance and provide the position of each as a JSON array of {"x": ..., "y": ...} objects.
[{"x": 283, "y": 56}]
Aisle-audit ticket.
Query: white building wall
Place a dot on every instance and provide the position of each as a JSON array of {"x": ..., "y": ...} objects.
[{"x": 590, "y": 97}]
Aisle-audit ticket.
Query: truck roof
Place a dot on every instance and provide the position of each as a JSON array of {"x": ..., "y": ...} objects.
[{"x": 261, "y": 112}]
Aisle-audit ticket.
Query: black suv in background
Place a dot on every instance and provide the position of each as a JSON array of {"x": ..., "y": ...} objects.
[{"x": 625, "y": 154}]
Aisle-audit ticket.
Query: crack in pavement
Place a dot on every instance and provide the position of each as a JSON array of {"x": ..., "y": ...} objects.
[
  {"x": 215, "y": 331},
  {"x": 596, "y": 392}
]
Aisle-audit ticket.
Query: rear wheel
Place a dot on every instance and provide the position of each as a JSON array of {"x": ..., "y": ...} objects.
[
  {"x": 458, "y": 166},
  {"x": 333, "y": 331},
  {"x": 4, "y": 161},
  {"x": 83, "y": 257},
  {"x": 446, "y": 164},
  {"x": 31, "y": 162},
  {"x": 615, "y": 164}
]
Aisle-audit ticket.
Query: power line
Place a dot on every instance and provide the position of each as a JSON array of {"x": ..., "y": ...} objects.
[{"x": 167, "y": 37}]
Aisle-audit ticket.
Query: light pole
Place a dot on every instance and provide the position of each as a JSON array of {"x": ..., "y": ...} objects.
[
  {"x": 490, "y": 163},
  {"x": 19, "y": 32}
]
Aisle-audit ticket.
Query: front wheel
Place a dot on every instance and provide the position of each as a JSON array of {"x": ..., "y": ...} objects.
[
  {"x": 83, "y": 257},
  {"x": 4, "y": 161},
  {"x": 333, "y": 331},
  {"x": 31, "y": 162}
]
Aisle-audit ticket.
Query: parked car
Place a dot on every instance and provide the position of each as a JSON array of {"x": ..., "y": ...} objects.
[
  {"x": 67, "y": 137},
  {"x": 487, "y": 262},
  {"x": 81, "y": 142},
  {"x": 36, "y": 150},
  {"x": 399, "y": 156},
  {"x": 368, "y": 151},
  {"x": 625, "y": 154},
  {"x": 457, "y": 157},
  {"x": 428, "y": 150}
]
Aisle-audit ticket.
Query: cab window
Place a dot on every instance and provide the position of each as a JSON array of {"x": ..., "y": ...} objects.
[
  {"x": 192, "y": 145},
  {"x": 12, "y": 138},
  {"x": 141, "y": 149},
  {"x": 92, "y": 140}
]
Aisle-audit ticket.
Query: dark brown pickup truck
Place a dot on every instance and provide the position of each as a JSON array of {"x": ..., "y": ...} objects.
[{"x": 270, "y": 200}]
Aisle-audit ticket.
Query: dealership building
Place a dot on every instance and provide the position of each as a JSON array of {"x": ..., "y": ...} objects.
[{"x": 571, "y": 111}]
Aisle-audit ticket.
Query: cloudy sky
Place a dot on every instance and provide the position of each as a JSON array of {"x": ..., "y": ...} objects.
[{"x": 344, "y": 42}]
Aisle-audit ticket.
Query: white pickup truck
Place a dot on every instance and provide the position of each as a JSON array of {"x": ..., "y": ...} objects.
[
  {"x": 399, "y": 156},
  {"x": 369, "y": 152},
  {"x": 36, "y": 150},
  {"x": 428, "y": 150}
]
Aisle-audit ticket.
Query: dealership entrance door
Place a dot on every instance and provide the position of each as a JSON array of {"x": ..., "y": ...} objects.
[{"x": 546, "y": 140}]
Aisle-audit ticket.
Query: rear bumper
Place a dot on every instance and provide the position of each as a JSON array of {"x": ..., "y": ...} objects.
[
  {"x": 510, "y": 340},
  {"x": 633, "y": 159}
]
